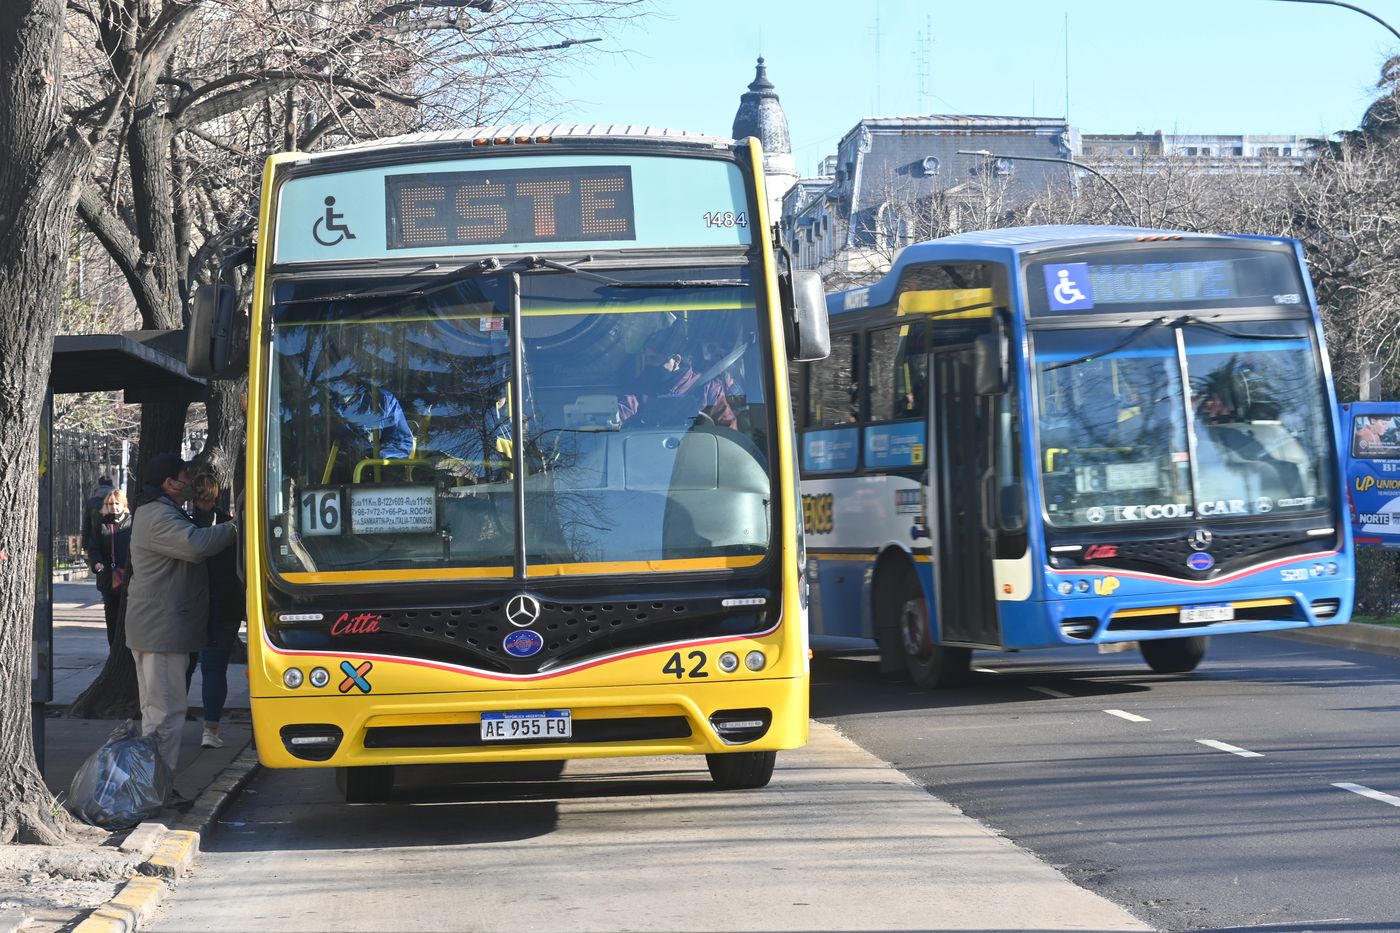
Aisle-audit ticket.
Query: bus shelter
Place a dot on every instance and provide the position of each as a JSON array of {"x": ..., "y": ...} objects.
[{"x": 145, "y": 365}]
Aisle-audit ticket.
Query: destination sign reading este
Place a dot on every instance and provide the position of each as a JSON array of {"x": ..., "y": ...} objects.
[{"x": 532, "y": 205}]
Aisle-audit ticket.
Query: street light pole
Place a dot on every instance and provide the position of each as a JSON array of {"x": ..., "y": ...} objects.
[
  {"x": 986, "y": 154},
  {"x": 1349, "y": 6}
]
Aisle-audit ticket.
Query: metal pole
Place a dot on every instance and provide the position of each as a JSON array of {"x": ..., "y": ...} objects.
[
  {"x": 1132, "y": 214},
  {"x": 1349, "y": 6}
]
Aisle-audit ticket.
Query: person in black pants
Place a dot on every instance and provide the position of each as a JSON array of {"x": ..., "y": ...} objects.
[
  {"x": 110, "y": 550},
  {"x": 226, "y": 613}
]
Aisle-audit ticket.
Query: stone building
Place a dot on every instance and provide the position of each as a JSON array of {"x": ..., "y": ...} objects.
[{"x": 850, "y": 220}]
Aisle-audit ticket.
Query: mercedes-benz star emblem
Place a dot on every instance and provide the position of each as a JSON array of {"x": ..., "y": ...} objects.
[
  {"x": 522, "y": 610},
  {"x": 1200, "y": 539}
]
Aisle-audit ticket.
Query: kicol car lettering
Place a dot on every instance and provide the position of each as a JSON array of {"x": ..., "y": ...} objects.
[
  {"x": 1137, "y": 513},
  {"x": 1224, "y": 507},
  {"x": 1305, "y": 502}
]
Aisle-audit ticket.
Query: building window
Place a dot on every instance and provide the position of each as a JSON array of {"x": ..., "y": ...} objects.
[
  {"x": 1190, "y": 150},
  {"x": 1288, "y": 150},
  {"x": 1205, "y": 150}
]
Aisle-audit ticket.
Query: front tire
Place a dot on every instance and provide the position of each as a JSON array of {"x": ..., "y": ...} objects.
[
  {"x": 929, "y": 665},
  {"x": 741, "y": 770},
  {"x": 369, "y": 784},
  {"x": 1173, "y": 655}
]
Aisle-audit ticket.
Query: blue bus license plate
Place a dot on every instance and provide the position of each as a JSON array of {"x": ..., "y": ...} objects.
[
  {"x": 1219, "y": 612},
  {"x": 527, "y": 724}
]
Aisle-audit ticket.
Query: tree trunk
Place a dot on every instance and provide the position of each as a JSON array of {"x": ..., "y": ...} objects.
[{"x": 41, "y": 169}]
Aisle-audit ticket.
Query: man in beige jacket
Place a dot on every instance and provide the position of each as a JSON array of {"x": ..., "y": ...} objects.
[{"x": 167, "y": 600}]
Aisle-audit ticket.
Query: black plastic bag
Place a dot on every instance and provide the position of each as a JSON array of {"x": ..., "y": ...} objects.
[{"x": 123, "y": 782}]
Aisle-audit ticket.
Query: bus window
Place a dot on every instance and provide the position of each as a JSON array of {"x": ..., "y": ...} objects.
[
  {"x": 898, "y": 372},
  {"x": 832, "y": 391}
]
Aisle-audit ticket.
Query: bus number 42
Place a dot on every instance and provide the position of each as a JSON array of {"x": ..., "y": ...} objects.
[{"x": 677, "y": 669}]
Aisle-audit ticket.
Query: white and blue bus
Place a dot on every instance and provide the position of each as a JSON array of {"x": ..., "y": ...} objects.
[
  {"x": 1054, "y": 436},
  {"x": 1371, "y": 467}
]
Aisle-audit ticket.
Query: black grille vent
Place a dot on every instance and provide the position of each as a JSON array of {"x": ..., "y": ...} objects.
[
  {"x": 1231, "y": 550},
  {"x": 474, "y": 634}
]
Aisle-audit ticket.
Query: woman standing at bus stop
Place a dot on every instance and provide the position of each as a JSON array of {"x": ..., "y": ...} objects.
[{"x": 111, "y": 540}]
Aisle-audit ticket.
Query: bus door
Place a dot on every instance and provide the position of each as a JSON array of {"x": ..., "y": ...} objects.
[{"x": 967, "y": 610}]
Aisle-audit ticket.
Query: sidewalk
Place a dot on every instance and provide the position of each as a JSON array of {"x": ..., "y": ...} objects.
[{"x": 45, "y": 888}]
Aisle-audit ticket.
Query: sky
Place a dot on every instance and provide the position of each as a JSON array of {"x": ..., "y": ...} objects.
[{"x": 1180, "y": 66}]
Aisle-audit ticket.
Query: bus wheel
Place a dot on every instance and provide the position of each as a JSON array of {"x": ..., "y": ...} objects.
[
  {"x": 929, "y": 665},
  {"x": 741, "y": 770},
  {"x": 368, "y": 784},
  {"x": 1173, "y": 655}
]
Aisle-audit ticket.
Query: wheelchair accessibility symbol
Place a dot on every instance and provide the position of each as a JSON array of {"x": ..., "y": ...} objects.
[
  {"x": 331, "y": 223},
  {"x": 1068, "y": 286}
]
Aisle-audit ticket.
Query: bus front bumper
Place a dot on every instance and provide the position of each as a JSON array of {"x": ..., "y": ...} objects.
[{"x": 445, "y": 728}]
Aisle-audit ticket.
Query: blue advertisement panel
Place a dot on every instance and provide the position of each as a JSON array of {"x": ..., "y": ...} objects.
[
  {"x": 890, "y": 446},
  {"x": 511, "y": 205},
  {"x": 1371, "y": 453},
  {"x": 832, "y": 451}
]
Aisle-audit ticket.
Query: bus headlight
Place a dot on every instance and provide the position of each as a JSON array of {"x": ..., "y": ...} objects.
[
  {"x": 729, "y": 662},
  {"x": 1065, "y": 587},
  {"x": 320, "y": 677},
  {"x": 1082, "y": 586},
  {"x": 755, "y": 660},
  {"x": 1331, "y": 570},
  {"x": 292, "y": 677}
]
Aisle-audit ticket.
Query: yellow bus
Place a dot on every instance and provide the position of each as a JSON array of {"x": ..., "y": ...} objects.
[{"x": 521, "y": 473}]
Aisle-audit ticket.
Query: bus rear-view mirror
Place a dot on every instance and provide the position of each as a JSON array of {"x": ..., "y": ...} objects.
[
  {"x": 989, "y": 364},
  {"x": 808, "y": 337},
  {"x": 209, "y": 344}
]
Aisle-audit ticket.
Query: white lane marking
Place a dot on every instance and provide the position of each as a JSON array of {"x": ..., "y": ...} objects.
[
  {"x": 985, "y": 670},
  {"x": 1365, "y": 791},
  {"x": 1050, "y": 693},
  {"x": 1124, "y": 714},
  {"x": 1232, "y": 749}
]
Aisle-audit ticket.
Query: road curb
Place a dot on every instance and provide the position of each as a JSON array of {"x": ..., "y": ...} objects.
[
  {"x": 1378, "y": 638},
  {"x": 172, "y": 852}
]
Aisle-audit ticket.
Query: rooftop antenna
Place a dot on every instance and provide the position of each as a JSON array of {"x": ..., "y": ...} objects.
[
  {"x": 878, "y": 69},
  {"x": 1066, "y": 66},
  {"x": 924, "y": 55}
]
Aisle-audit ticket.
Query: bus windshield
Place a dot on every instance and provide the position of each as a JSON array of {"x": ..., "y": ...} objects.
[
  {"x": 1127, "y": 434},
  {"x": 394, "y": 412}
]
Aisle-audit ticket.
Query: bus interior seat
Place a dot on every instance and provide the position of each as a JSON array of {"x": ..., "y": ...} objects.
[{"x": 707, "y": 487}]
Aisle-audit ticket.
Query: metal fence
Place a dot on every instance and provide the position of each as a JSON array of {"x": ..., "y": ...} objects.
[{"x": 77, "y": 460}]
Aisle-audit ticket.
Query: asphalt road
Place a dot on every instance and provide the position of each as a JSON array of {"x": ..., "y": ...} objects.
[{"x": 1260, "y": 793}]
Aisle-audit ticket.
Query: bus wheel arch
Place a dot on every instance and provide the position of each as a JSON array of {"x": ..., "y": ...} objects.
[
  {"x": 904, "y": 628},
  {"x": 1173, "y": 655}
]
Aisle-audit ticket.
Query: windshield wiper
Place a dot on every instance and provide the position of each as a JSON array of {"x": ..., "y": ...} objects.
[
  {"x": 543, "y": 262},
  {"x": 1239, "y": 335},
  {"x": 441, "y": 283},
  {"x": 1133, "y": 334}
]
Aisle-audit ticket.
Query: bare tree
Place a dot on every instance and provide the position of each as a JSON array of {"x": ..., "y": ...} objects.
[{"x": 44, "y": 161}]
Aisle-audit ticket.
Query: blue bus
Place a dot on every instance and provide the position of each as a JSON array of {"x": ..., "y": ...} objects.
[
  {"x": 1069, "y": 435},
  {"x": 1371, "y": 466}
]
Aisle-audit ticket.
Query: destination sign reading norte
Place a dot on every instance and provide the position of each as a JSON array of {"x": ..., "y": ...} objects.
[{"x": 530, "y": 205}]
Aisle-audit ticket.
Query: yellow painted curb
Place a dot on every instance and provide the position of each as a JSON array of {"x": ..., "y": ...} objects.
[
  {"x": 135, "y": 902},
  {"x": 173, "y": 855}
]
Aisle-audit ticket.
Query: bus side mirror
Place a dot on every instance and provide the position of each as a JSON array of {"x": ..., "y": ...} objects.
[
  {"x": 804, "y": 308},
  {"x": 1011, "y": 509},
  {"x": 989, "y": 365},
  {"x": 209, "y": 334}
]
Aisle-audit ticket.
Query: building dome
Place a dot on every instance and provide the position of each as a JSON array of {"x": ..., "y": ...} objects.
[{"x": 761, "y": 115}]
